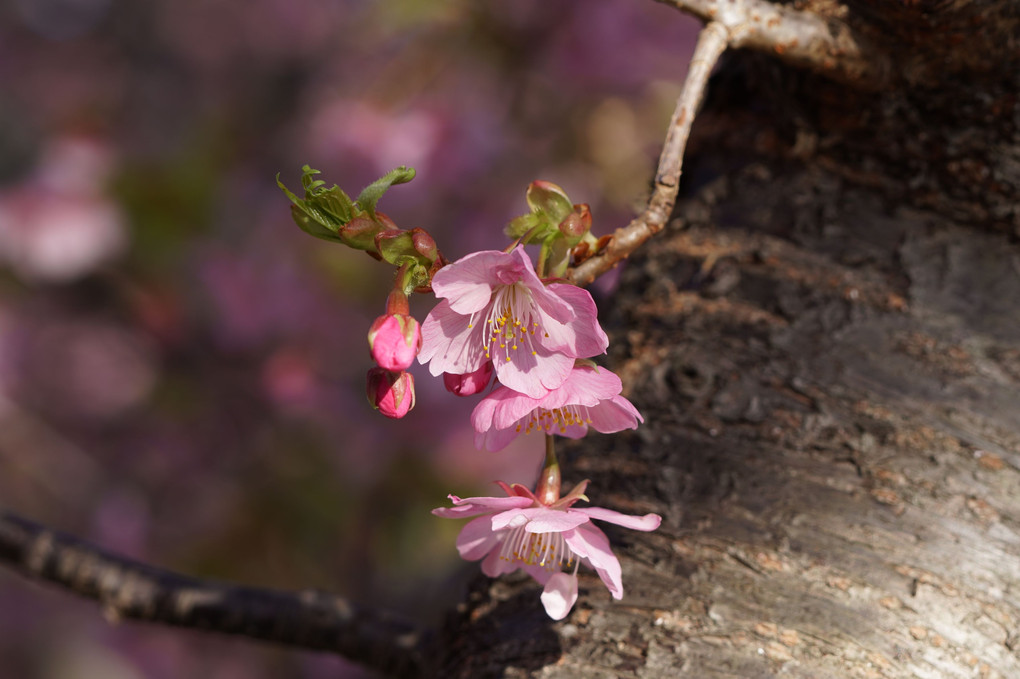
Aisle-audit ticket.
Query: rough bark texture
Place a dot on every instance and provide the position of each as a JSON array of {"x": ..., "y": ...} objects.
[{"x": 826, "y": 347}]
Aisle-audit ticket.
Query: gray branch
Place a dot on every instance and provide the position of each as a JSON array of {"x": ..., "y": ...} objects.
[
  {"x": 711, "y": 44},
  {"x": 130, "y": 590},
  {"x": 823, "y": 44}
]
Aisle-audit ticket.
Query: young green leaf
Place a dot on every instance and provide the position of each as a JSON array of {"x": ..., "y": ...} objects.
[
  {"x": 322, "y": 209},
  {"x": 371, "y": 194}
]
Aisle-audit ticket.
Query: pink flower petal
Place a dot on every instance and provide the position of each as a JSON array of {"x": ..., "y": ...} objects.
[
  {"x": 613, "y": 415},
  {"x": 476, "y": 539},
  {"x": 494, "y": 440},
  {"x": 590, "y": 543},
  {"x": 467, "y": 283},
  {"x": 541, "y": 574},
  {"x": 538, "y": 520},
  {"x": 483, "y": 414},
  {"x": 559, "y": 595},
  {"x": 473, "y": 506},
  {"x": 511, "y": 518},
  {"x": 581, "y": 336},
  {"x": 533, "y": 374},
  {"x": 494, "y": 566},
  {"x": 584, "y": 386},
  {"x": 546, "y": 520},
  {"x": 450, "y": 344},
  {"x": 500, "y": 412},
  {"x": 646, "y": 523},
  {"x": 550, "y": 304}
]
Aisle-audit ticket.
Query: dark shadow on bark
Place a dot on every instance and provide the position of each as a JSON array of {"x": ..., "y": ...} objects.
[{"x": 500, "y": 622}]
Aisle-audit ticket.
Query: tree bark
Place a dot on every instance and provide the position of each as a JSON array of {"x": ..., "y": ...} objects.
[{"x": 825, "y": 344}]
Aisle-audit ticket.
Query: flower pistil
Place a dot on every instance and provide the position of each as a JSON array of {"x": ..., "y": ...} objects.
[{"x": 511, "y": 321}]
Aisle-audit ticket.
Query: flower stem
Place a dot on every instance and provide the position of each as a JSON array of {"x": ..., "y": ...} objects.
[
  {"x": 548, "y": 489},
  {"x": 404, "y": 284},
  {"x": 396, "y": 301}
]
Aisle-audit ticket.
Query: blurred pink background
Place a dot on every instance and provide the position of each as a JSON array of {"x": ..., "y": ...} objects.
[{"x": 182, "y": 369}]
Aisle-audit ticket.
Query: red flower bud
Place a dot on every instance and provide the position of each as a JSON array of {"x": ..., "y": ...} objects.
[
  {"x": 390, "y": 392},
  {"x": 394, "y": 340},
  {"x": 470, "y": 383}
]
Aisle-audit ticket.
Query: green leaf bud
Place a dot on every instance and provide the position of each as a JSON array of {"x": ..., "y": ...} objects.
[{"x": 549, "y": 199}]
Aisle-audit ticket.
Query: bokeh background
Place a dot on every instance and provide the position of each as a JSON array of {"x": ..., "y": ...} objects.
[{"x": 182, "y": 369}]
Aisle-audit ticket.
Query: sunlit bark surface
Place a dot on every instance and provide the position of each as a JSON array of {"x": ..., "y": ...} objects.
[{"x": 825, "y": 344}]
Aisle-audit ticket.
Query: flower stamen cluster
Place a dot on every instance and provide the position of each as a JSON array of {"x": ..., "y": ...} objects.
[
  {"x": 546, "y": 550},
  {"x": 556, "y": 420}
]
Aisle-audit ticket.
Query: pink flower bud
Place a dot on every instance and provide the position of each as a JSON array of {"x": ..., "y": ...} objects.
[
  {"x": 470, "y": 383},
  {"x": 394, "y": 340},
  {"x": 390, "y": 392}
]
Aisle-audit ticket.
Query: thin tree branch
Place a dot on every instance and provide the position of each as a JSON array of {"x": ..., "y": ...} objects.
[
  {"x": 711, "y": 44},
  {"x": 825, "y": 45},
  {"x": 130, "y": 590}
]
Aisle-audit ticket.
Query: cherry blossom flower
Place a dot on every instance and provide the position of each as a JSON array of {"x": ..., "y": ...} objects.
[
  {"x": 590, "y": 397},
  {"x": 547, "y": 541},
  {"x": 494, "y": 307}
]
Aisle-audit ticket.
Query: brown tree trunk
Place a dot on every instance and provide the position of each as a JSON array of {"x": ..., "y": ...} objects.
[{"x": 826, "y": 347}]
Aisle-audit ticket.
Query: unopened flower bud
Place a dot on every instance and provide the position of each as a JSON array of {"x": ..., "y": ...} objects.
[
  {"x": 394, "y": 340},
  {"x": 577, "y": 223},
  {"x": 469, "y": 383},
  {"x": 392, "y": 393}
]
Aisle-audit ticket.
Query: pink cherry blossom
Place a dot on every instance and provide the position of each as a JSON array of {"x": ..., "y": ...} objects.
[
  {"x": 394, "y": 340},
  {"x": 590, "y": 397},
  {"x": 494, "y": 307},
  {"x": 545, "y": 540}
]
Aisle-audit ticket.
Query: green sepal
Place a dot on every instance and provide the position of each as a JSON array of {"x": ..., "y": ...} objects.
[
  {"x": 361, "y": 233},
  {"x": 414, "y": 247},
  {"x": 371, "y": 194}
]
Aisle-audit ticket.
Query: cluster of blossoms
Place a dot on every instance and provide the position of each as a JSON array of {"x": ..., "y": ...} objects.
[
  {"x": 529, "y": 334},
  {"x": 497, "y": 317}
]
